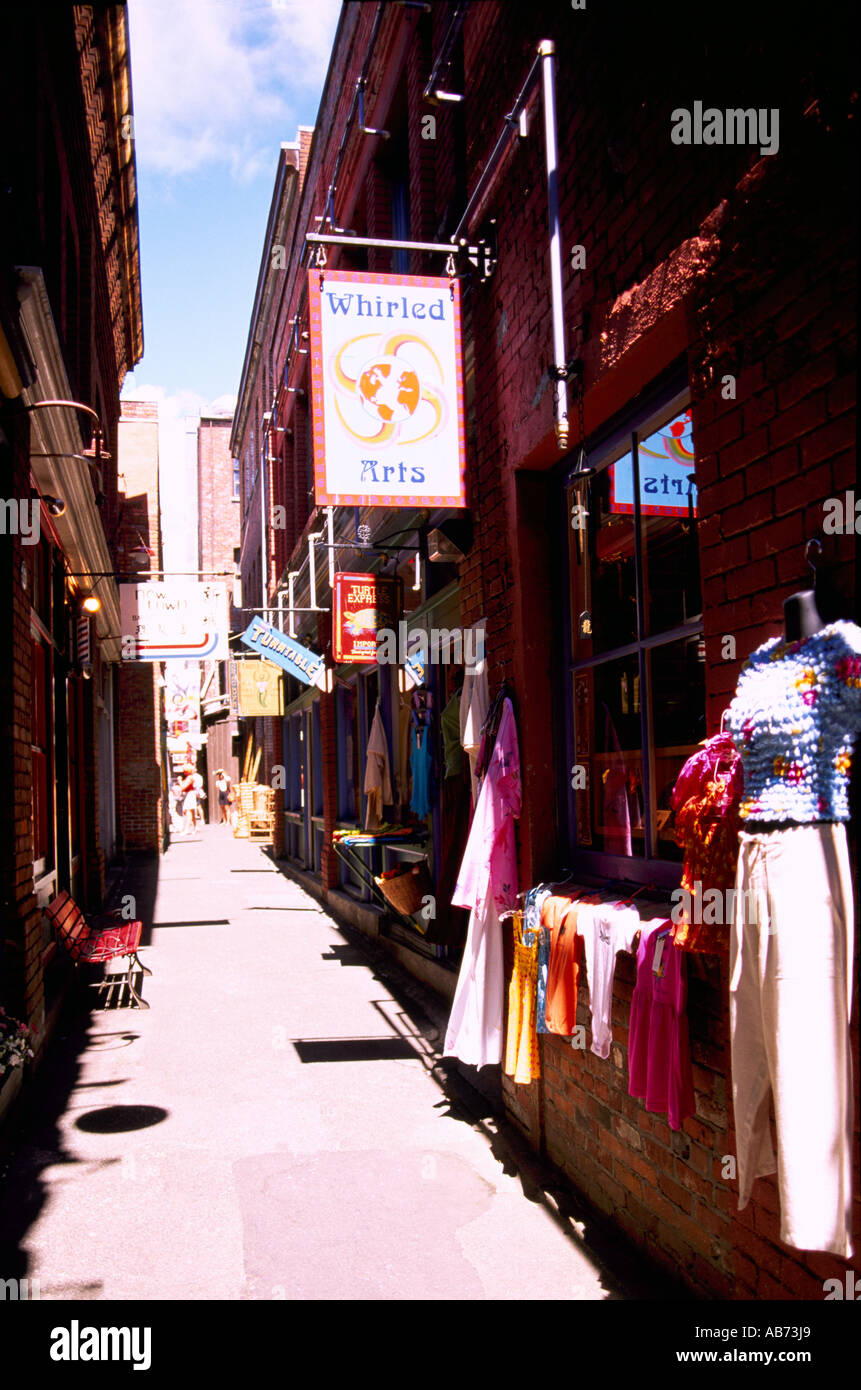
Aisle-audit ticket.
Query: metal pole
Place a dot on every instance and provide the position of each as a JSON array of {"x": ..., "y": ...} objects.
[
  {"x": 382, "y": 243},
  {"x": 547, "y": 52},
  {"x": 330, "y": 522}
]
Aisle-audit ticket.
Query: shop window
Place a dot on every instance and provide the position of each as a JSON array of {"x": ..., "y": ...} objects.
[
  {"x": 40, "y": 757},
  {"x": 349, "y": 783},
  {"x": 637, "y": 687},
  {"x": 316, "y": 762}
]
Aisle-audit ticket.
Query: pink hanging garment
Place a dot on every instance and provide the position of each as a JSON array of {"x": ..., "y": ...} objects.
[
  {"x": 659, "y": 1057},
  {"x": 487, "y": 884}
]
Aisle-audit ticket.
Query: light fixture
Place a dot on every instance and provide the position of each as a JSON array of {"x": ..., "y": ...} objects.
[
  {"x": 56, "y": 506},
  {"x": 91, "y": 604},
  {"x": 450, "y": 541}
]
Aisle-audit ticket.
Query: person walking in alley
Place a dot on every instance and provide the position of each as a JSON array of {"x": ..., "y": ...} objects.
[
  {"x": 189, "y": 799},
  {"x": 223, "y": 786},
  {"x": 176, "y": 799}
]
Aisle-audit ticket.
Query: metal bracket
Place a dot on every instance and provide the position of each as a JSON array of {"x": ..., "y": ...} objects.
[
  {"x": 484, "y": 255},
  {"x": 572, "y": 370}
]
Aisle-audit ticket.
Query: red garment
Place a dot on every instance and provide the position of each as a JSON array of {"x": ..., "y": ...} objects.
[{"x": 706, "y": 801}]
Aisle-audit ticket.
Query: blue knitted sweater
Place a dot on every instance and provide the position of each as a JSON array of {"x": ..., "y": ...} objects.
[{"x": 794, "y": 717}]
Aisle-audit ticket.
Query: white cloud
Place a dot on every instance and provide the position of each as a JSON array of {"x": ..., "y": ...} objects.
[{"x": 213, "y": 79}]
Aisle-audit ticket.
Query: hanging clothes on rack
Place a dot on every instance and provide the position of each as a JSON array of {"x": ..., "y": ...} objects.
[
  {"x": 532, "y": 922},
  {"x": 559, "y": 919},
  {"x": 377, "y": 784},
  {"x": 487, "y": 884},
  {"x": 659, "y": 1054},
  {"x": 450, "y": 729},
  {"x": 421, "y": 754},
  {"x": 522, "y": 1061},
  {"x": 606, "y": 928},
  {"x": 474, "y": 704}
]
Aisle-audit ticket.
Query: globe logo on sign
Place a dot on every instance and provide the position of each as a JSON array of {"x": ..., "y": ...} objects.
[{"x": 389, "y": 389}]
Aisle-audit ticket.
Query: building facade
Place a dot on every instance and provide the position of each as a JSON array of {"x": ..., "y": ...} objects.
[
  {"x": 141, "y": 770},
  {"x": 70, "y": 330},
  {"x": 218, "y": 555},
  {"x": 625, "y": 556}
]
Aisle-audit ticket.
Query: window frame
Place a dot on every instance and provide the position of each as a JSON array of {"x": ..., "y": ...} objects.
[{"x": 662, "y": 400}]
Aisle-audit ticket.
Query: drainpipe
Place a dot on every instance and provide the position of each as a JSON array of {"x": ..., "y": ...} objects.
[
  {"x": 264, "y": 539},
  {"x": 330, "y": 526},
  {"x": 547, "y": 52}
]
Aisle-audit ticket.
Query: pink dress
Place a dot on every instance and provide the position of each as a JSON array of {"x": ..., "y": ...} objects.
[
  {"x": 659, "y": 1056},
  {"x": 487, "y": 884}
]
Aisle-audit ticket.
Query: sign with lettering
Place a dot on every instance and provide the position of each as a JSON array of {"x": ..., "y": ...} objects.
[
  {"x": 259, "y": 688},
  {"x": 176, "y": 619},
  {"x": 387, "y": 389},
  {"x": 363, "y": 604},
  {"x": 285, "y": 652}
]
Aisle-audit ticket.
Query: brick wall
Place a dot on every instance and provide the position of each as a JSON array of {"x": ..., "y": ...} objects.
[{"x": 141, "y": 815}]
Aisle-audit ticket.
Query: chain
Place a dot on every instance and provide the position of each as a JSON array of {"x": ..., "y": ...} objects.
[{"x": 581, "y": 419}]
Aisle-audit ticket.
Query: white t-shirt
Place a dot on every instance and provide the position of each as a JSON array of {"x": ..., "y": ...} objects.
[{"x": 605, "y": 929}]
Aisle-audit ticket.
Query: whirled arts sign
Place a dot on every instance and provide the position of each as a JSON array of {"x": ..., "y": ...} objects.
[
  {"x": 174, "y": 619},
  {"x": 387, "y": 389},
  {"x": 286, "y": 652}
]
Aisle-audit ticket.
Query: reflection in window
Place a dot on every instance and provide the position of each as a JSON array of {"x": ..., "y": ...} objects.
[
  {"x": 671, "y": 559},
  {"x": 609, "y": 752},
  {"x": 677, "y": 683}
]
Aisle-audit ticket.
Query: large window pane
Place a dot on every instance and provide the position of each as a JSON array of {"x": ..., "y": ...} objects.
[
  {"x": 671, "y": 568},
  {"x": 677, "y": 687},
  {"x": 608, "y": 747},
  {"x": 601, "y": 548}
]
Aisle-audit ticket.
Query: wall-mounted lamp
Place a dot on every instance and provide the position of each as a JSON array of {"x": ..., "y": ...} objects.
[
  {"x": 450, "y": 541},
  {"x": 91, "y": 604},
  {"x": 56, "y": 506}
]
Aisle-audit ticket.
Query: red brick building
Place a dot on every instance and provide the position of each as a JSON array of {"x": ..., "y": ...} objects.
[
  {"x": 218, "y": 554},
  {"x": 706, "y": 293},
  {"x": 70, "y": 330},
  {"x": 141, "y": 765}
]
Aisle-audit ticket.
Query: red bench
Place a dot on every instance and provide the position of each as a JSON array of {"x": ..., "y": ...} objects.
[{"x": 106, "y": 938}]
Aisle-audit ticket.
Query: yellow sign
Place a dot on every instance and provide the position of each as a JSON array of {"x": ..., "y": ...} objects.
[{"x": 259, "y": 689}]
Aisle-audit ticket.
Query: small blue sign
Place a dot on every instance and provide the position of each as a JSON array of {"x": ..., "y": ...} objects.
[{"x": 285, "y": 652}]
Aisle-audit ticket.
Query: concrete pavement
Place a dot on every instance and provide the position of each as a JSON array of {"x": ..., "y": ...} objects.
[{"x": 277, "y": 1125}]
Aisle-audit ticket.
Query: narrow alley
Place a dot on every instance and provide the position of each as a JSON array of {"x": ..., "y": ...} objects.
[{"x": 276, "y": 1125}]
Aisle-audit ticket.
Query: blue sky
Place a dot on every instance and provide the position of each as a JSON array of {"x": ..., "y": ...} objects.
[{"x": 217, "y": 85}]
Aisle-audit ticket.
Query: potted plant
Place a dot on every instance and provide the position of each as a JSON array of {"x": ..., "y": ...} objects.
[{"x": 14, "y": 1050}]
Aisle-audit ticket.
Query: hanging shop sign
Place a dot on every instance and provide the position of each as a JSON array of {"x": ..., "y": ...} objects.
[
  {"x": 363, "y": 603},
  {"x": 387, "y": 390},
  {"x": 259, "y": 689},
  {"x": 286, "y": 652},
  {"x": 182, "y": 707},
  {"x": 177, "y": 619},
  {"x": 233, "y": 684}
]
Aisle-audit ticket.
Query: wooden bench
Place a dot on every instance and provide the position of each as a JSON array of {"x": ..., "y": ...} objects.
[{"x": 107, "y": 938}]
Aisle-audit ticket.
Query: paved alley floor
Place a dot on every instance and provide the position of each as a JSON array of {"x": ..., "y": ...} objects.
[{"x": 277, "y": 1125}]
